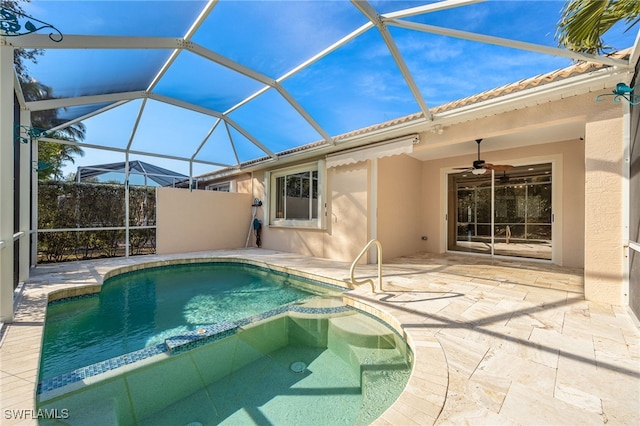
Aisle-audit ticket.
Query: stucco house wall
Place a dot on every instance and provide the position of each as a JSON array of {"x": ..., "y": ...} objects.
[
  {"x": 401, "y": 206},
  {"x": 347, "y": 211},
  {"x": 346, "y": 218},
  {"x": 401, "y": 198},
  {"x": 200, "y": 220},
  {"x": 604, "y": 250}
]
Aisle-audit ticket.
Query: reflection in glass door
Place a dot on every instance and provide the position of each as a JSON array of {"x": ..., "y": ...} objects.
[{"x": 522, "y": 212}]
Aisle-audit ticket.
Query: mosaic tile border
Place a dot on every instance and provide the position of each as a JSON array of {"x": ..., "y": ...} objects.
[
  {"x": 76, "y": 297},
  {"x": 178, "y": 344},
  {"x": 193, "y": 339},
  {"x": 98, "y": 368}
]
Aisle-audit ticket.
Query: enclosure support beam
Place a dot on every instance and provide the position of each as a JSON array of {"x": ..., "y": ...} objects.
[
  {"x": 126, "y": 204},
  {"x": 25, "y": 201},
  {"x": 6, "y": 182},
  {"x": 34, "y": 201}
]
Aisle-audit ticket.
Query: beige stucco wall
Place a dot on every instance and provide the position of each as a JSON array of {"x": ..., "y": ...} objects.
[
  {"x": 603, "y": 254},
  {"x": 201, "y": 220},
  {"x": 400, "y": 207},
  {"x": 348, "y": 211},
  {"x": 346, "y": 221},
  {"x": 412, "y": 193},
  {"x": 568, "y": 155}
]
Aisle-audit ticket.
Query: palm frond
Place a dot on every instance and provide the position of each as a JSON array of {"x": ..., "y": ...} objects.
[{"x": 584, "y": 22}]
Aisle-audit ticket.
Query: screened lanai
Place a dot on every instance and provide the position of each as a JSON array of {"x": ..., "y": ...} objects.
[
  {"x": 219, "y": 83},
  {"x": 223, "y": 84},
  {"x": 147, "y": 174}
]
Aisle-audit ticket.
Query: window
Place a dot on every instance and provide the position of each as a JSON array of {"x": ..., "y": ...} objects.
[
  {"x": 222, "y": 187},
  {"x": 296, "y": 196}
]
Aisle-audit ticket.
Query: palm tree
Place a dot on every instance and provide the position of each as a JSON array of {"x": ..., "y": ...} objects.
[
  {"x": 583, "y": 22},
  {"x": 52, "y": 156}
]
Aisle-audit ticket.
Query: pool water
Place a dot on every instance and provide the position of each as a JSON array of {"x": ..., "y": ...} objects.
[
  {"x": 143, "y": 308},
  {"x": 295, "y": 369}
]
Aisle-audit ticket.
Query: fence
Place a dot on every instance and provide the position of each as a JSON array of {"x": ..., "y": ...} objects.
[{"x": 87, "y": 220}]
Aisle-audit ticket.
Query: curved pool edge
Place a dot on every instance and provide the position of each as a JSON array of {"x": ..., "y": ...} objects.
[
  {"x": 88, "y": 289},
  {"x": 425, "y": 393},
  {"x": 424, "y": 396}
]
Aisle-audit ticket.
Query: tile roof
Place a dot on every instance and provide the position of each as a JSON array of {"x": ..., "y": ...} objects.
[{"x": 576, "y": 69}]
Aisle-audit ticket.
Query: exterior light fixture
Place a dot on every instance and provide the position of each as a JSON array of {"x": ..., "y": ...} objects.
[
  {"x": 10, "y": 25},
  {"x": 622, "y": 91}
]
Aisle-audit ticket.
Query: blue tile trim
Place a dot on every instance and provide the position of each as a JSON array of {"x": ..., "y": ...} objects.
[
  {"x": 178, "y": 344},
  {"x": 98, "y": 368},
  {"x": 239, "y": 264},
  {"x": 204, "y": 335},
  {"x": 65, "y": 299}
]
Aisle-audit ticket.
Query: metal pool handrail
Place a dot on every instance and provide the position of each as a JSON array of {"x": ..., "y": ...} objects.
[{"x": 353, "y": 266}]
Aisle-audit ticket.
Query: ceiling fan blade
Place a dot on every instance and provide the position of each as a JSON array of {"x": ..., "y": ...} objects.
[{"x": 498, "y": 167}]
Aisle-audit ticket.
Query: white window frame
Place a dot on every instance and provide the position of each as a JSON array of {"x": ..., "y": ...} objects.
[
  {"x": 317, "y": 223},
  {"x": 216, "y": 186}
]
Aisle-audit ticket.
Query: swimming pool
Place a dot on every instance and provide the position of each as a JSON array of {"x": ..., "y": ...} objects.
[
  {"x": 305, "y": 362},
  {"x": 141, "y": 309}
]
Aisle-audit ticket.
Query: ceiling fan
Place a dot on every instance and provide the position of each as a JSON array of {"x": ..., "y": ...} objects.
[{"x": 480, "y": 167}]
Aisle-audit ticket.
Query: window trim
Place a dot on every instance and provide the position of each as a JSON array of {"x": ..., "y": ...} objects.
[
  {"x": 270, "y": 181},
  {"x": 216, "y": 186}
]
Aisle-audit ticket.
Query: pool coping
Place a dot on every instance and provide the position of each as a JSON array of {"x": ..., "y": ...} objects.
[{"x": 422, "y": 399}]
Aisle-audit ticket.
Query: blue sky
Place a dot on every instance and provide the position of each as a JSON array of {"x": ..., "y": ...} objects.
[{"x": 356, "y": 86}]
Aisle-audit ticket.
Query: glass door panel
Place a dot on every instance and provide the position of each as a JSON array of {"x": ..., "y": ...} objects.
[{"x": 522, "y": 212}]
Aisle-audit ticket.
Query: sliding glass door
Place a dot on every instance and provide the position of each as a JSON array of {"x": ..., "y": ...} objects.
[{"x": 520, "y": 200}]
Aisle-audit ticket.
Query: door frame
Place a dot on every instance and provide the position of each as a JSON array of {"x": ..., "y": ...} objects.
[{"x": 556, "y": 207}]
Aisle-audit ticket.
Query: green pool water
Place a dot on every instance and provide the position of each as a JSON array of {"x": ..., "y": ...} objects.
[
  {"x": 143, "y": 308},
  {"x": 335, "y": 370},
  {"x": 308, "y": 367}
]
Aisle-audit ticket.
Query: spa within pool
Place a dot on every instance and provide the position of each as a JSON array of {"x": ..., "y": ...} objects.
[{"x": 142, "y": 309}]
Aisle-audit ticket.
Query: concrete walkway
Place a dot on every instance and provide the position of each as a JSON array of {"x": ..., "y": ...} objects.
[{"x": 495, "y": 342}]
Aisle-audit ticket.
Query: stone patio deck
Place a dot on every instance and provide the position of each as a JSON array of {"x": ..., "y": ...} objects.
[{"x": 495, "y": 342}]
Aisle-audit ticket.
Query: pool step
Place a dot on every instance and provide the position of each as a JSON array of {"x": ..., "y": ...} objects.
[
  {"x": 362, "y": 331},
  {"x": 361, "y": 342}
]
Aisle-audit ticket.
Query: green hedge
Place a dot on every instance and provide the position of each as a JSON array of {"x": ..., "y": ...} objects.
[{"x": 93, "y": 205}]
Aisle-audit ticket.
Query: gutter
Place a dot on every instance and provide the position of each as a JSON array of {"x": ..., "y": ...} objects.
[{"x": 593, "y": 81}]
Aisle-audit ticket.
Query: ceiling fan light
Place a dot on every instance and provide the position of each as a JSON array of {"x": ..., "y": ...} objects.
[{"x": 479, "y": 171}]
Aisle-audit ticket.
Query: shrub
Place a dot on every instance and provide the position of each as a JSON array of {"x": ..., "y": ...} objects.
[{"x": 63, "y": 205}]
